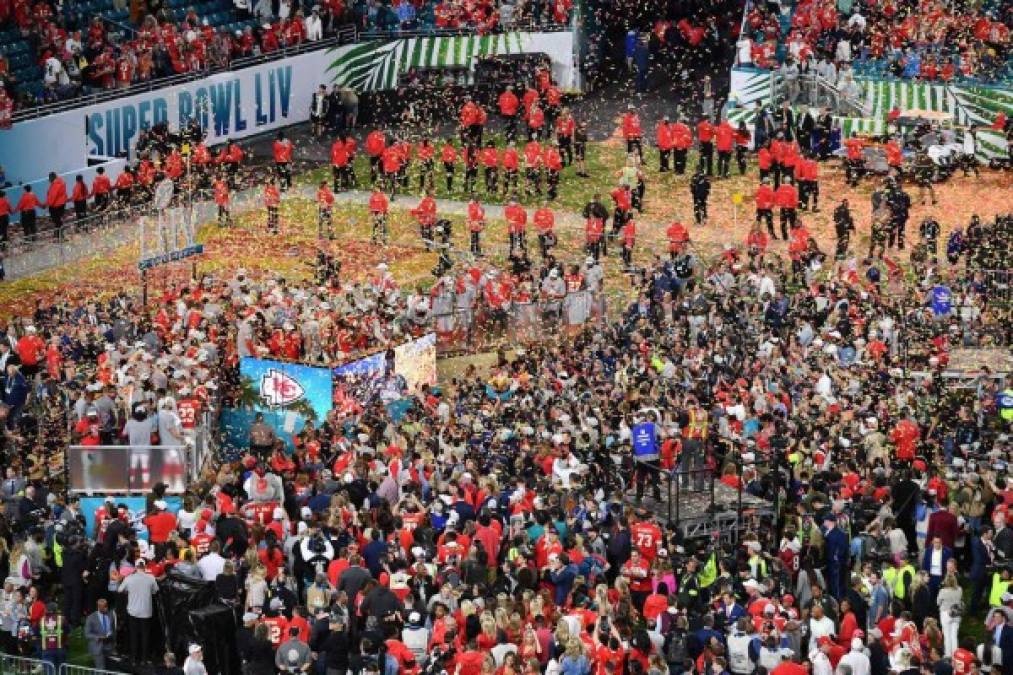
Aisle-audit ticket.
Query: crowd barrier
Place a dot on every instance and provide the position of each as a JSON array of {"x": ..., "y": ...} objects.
[
  {"x": 68, "y": 669},
  {"x": 478, "y": 327},
  {"x": 19, "y": 665}
]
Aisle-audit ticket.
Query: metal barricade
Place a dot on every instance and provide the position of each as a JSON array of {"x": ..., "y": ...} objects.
[
  {"x": 18, "y": 665},
  {"x": 68, "y": 669}
]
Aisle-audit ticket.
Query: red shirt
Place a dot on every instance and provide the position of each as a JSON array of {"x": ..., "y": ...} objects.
[
  {"x": 677, "y": 237},
  {"x": 57, "y": 194},
  {"x": 378, "y": 203},
  {"x": 786, "y": 196},
  {"x": 489, "y": 157},
  {"x": 663, "y": 135},
  {"x": 854, "y": 146},
  {"x": 448, "y": 155},
  {"x": 544, "y": 220},
  {"x": 5, "y": 207},
  {"x": 325, "y": 198},
  {"x": 28, "y": 202},
  {"x": 282, "y": 151},
  {"x": 271, "y": 196},
  {"x": 553, "y": 160},
  {"x": 511, "y": 160},
  {"x": 963, "y": 661},
  {"x": 724, "y": 137},
  {"x": 622, "y": 198},
  {"x": 705, "y": 131},
  {"x": 375, "y": 143},
  {"x": 508, "y": 103},
  {"x": 340, "y": 155},
  {"x": 646, "y": 537},
  {"x": 425, "y": 213},
  {"x": 682, "y": 137},
  {"x": 476, "y": 216},
  {"x": 631, "y": 126},
  {"x": 80, "y": 193},
  {"x": 517, "y": 218},
  {"x": 101, "y": 185},
  {"x": 277, "y": 630},
  {"x": 764, "y": 197},
  {"x": 159, "y": 526},
  {"x": 221, "y": 192},
  {"x": 533, "y": 155}
]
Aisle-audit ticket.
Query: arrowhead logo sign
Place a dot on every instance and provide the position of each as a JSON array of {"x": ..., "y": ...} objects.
[{"x": 278, "y": 388}]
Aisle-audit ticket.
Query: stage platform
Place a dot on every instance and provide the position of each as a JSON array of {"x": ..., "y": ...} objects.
[{"x": 726, "y": 513}]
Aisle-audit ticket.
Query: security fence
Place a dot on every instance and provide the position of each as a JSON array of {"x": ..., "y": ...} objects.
[
  {"x": 18, "y": 665},
  {"x": 481, "y": 326}
]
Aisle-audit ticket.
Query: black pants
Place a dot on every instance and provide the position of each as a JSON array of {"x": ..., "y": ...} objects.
[
  {"x": 788, "y": 218},
  {"x": 766, "y": 215},
  {"x": 700, "y": 210},
  {"x": 140, "y": 638},
  {"x": 73, "y": 603},
  {"x": 476, "y": 242},
  {"x": 56, "y": 215},
  {"x": 843, "y": 241},
  {"x": 740, "y": 158},
  {"x": 80, "y": 210},
  {"x": 448, "y": 173},
  {"x": 543, "y": 245},
  {"x": 619, "y": 218},
  {"x": 5, "y": 225},
  {"x": 509, "y": 180},
  {"x": 102, "y": 201},
  {"x": 518, "y": 240},
  {"x": 627, "y": 254},
  {"x": 635, "y": 144},
  {"x": 534, "y": 181},
  {"x": 491, "y": 179},
  {"x": 28, "y": 223},
  {"x": 680, "y": 160},
  {"x": 724, "y": 163},
  {"x": 553, "y": 184},
  {"x": 778, "y": 171},
  {"x": 565, "y": 150},
  {"x": 511, "y": 127},
  {"x": 707, "y": 157},
  {"x": 897, "y": 227},
  {"x": 853, "y": 170},
  {"x": 643, "y": 475},
  {"x": 336, "y": 182},
  {"x": 470, "y": 176},
  {"x": 663, "y": 162},
  {"x": 272, "y": 219},
  {"x": 223, "y": 215},
  {"x": 594, "y": 248},
  {"x": 324, "y": 222},
  {"x": 284, "y": 170},
  {"x": 374, "y": 168},
  {"x": 426, "y": 176},
  {"x": 380, "y": 228}
]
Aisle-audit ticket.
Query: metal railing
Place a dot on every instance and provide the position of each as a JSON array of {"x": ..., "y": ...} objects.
[
  {"x": 19, "y": 665},
  {"x": 478, "y": 327},
  {"x": 68, "y": 669},
  {"x": 818, "y": 92}
]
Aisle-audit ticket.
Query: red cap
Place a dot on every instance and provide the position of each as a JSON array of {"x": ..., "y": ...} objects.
[
  {"x": 919, "y": 464},
  {"x": 384, "y": 579}
]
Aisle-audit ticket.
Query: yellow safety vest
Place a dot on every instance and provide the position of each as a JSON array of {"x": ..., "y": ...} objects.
[
  {"x": 999, "y": 588},
  {"x": 697, "y": 427}
]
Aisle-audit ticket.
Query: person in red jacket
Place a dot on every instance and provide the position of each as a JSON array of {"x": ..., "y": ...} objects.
[
  {"x": 101, "y": 186},
  {"x": 764, "y": 161},
  {"x": 448, "y": 155},
  {"x": 765, "y": 206},
  {"x": 79, "y": 195},
  {"x": 566, "y": 127},
  {"x": 56, "y": 200},
  {"x": 786, "y": 199},
  {"x": 233, "y": 158},
  {"x": 545, "y": 224},
  {"x": 663, "y": 137},
  {"x": 682, "y": 139},
  {"x": 376, "y": 143},
  {"x": 282, "y": 149},
  {"x": 742, "y": 139},
  {"x": 221, "y": 190},
  {"x": 705, "y": 135},
  {"x": 26, "y": 207},
  {"x": 489, "y": 157},
  {"x": 379, "y": 205},
  {"x": 678, "y": 238},
  {"x": 339, "y": 160},
  {"x": 632, "y": 132},
  {"x": 517, "y": 223},
  {"x": 425, "y": 152},
  {"x": 473, "y": 119},
  {"x": 535, "y": 119},
  {"x": 509, "y": 104},
  {"x": 553, "y": 162},
  {"x": 533, "y": 167},
  {"x": 511, "y": 165},
  {"x": 756, "y": 243},
  {"x": 5, "y": 220},
  {"x": 391, "y": 162},
  {"x": 425, "y": 215},
  {"x": 325, "y": 207},
  {"x": 629, "y": 237},
  {"x": 809, "y": 186},
  {"x": 622, "y": 198},
  {"x": 476, "y": 223},
  {"x": 724, "y": 141},
  {"x": 272, "y": 200},
  {"x": 855, "y": 163}
]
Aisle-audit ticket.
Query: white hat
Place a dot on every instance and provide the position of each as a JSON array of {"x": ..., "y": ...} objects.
[
  {"x": 161, "y": 505},
  {"x": 750, "y": 583},
  {"x": 857, "y": 644},
  {"x": 278, "y": 513},
  {"x": 306, "y": 513},
  {"x": 30, "y": 330},
  {"x": 194, "y": 648}
]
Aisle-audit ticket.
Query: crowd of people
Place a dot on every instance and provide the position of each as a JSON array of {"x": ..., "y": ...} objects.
[
  {"x": 501, "y": 525},
  {"x": 925, "y": 41}
]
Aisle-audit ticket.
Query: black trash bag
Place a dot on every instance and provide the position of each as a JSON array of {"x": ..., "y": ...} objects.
[
  {"x": 216, "y": 624},
  {"x": 179, "y": 595}
]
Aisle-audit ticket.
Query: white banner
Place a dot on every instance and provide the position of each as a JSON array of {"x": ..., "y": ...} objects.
[{"x": 250, "y": 101}]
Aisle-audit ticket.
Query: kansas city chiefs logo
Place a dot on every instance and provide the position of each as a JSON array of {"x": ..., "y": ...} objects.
[{"x": 278, "y": 388}]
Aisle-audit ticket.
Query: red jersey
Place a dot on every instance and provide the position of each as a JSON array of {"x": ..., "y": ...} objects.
[
  {"x": 678, "y": 236},
  {"x": 476, "y": 216},
  {"x": 277, "y": 629},
  {"x": 631, "y": 126},
  {"x": 378, "y": 203},
  {"x": 325, "y": 198},
  {"x": 188, "y": 409},
  {"x": 282, "y": 151},
  {"x": 646, "y": 536},
  {"x": 705, "y": 131},
  {"x": 272, "y": 197},
  {"x": 517, "y": 218},
  {"x": 221, "y": 189},
  {"x": 544, "y": 220}
]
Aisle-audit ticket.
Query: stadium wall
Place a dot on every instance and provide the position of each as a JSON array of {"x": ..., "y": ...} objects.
[{"x": 254, "y": 100}]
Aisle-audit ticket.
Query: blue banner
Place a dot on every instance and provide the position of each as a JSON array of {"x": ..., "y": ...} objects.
[
  {"x": 645, "y": 442},
  {"x": 135, "y": 511},
  {"x": 287, "y": 394}
]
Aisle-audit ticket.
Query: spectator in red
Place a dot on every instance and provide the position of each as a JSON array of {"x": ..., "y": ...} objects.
[{"x": 632, "y": 132}]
